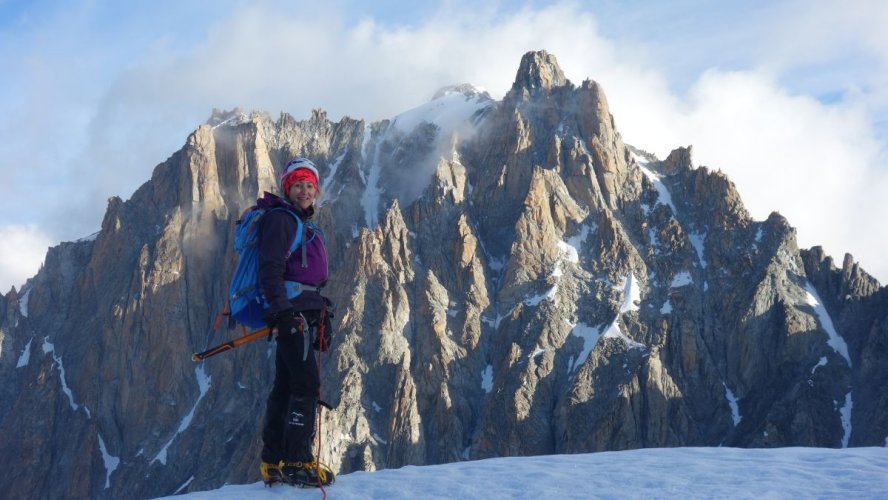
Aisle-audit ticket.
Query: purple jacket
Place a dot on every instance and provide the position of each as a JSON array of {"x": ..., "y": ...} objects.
[{"x": 276, "y": 233}]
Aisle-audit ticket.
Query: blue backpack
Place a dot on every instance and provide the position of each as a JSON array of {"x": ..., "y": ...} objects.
[{"x": 245, "y": 300}]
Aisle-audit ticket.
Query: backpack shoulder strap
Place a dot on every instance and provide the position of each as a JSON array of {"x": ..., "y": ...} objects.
[{"x": 297, "y": 238}]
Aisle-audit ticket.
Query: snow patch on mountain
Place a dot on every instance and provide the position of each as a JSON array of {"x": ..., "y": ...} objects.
[
  {"x": 613, "y": 332},
  {"x": 23, "y": 303},
  {"x": 820, "y": 363},
  {"x": 454, "y": 112},
  {"x": 49, "y": 348},
  {"x": 549, "y": 294},
  {"x": 569, "y": 252},
  {"x": 203, "y": 382},
  {"x": 234, "y": 118},
  {"x": 845, "y": 413},
  {"x": 698, "y": 240},
  {"x": 487, "y": 379},
  {"x": 631, "y": 294},
  {"x": 663, "y": 195},
  {"x": 566, "y": 253},
  {"x": 576, "y": 241},
  {"x": 25, "y": 357},
  {"x": 681, "y": 279},
  {"x": 589, "y": 335},
  {"x": 835, "y": 340},
  {"x": 184, "y": 485},
  {"x": 111, "y": 462},
  {"x": 451, "y": 109},
  {"x": 732, "y": 402},
  {"x": 328, "y": 180},
  {"x": 371, "y": 198}
]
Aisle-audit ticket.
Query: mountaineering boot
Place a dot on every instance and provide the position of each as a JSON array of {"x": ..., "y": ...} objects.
[
  {"x": 271, "y": 473},
  {"x": 307, "y": 474}
]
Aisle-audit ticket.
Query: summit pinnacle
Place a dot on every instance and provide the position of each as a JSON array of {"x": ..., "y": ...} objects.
[{"x": 539, "y": 70}]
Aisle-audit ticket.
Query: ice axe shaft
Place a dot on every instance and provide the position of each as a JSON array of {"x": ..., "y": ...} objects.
[{"x": 258, "y": 334}]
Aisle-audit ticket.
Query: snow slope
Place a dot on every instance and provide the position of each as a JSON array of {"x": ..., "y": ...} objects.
[
  {"x": 453, "y": 110},
  {"x": 450, "y": 110},
  {"x": 649, "y": 473}
]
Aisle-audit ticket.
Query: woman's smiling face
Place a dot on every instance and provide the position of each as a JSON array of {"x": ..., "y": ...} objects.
[{"x": 303, "y": 194}]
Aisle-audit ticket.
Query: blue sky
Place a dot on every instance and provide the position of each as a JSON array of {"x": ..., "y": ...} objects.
[{"x": 789, "y": 97}]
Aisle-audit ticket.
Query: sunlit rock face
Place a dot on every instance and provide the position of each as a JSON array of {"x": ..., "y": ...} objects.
[{"x": 510, "y": 278}]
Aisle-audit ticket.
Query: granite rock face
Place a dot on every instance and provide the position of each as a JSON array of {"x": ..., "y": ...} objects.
[{"x": 511, "y": 280}]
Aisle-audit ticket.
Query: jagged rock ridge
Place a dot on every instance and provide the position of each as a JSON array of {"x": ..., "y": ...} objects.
[{"x": 513, "y": 280}]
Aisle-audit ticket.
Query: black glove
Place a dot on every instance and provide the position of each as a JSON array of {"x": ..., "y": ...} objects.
[{"x": 286, "y": 321}]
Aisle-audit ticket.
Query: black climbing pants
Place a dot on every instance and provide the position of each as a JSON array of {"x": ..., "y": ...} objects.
[{"x": 291, "y": 412}]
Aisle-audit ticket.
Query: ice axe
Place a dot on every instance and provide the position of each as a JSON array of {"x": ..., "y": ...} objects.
[{"x": 258, "y": 334}]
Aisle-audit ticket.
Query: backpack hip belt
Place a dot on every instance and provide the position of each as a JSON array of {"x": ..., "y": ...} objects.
[{"x": 294, "y": 288}]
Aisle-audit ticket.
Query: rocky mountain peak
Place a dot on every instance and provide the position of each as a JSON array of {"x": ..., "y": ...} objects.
[
  {"x": 679, "y": 160},
  {"x": 220, "y": 116},
  {"x": 542, "y": 289},
  {"x": 466, "y": 89},
  {"x": 538, "y": 71}
]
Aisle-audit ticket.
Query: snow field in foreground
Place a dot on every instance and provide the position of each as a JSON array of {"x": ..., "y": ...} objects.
[{"x": 648, "y": 473}]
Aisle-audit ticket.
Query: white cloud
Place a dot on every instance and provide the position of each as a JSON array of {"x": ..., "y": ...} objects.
[
  {"x": 22, "y": 249},
  {"x": 757, "y": 118},
  {"x": 814, "y": 163}
]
